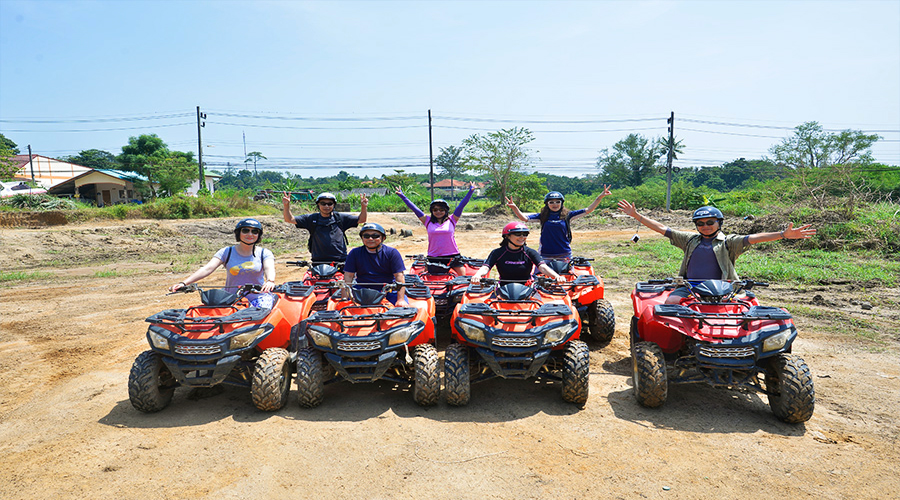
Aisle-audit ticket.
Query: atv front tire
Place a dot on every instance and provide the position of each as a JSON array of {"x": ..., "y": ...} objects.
[
  {"x": 427, "y": 384},
  {"x": 271, "y": 380},
  {"x": 310, "y": 380},
  {"x": 649, "y": 374},
  {"x": 150, "y": 384},
  {"x": 789, "y": 386},
  {"x": 575, "y": 372},
  {"x": 601, "y": 321},
  {"x": 456, "y": 375}
]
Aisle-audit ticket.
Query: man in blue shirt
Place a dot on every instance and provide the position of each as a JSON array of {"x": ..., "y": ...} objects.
[{"x": 375, "y": 262}]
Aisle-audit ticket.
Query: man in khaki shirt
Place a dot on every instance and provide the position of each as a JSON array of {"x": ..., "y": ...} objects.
[{"x": 709, "y": 253}]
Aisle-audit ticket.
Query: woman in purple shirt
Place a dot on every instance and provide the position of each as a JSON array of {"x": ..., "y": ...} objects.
[{"x": 441, "y": 228}]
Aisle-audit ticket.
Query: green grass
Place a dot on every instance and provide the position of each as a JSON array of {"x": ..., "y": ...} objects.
[
  {"x": 7, "y": 276},
  {"x": 112, "y": 273}
]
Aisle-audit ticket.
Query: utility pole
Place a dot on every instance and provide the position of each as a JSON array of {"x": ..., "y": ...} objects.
[
  {"x": 669, "y": 156},
  {"x": 430, "y": 156},
  {"x": 202, "y": 181},
  {"x": 31, "y": 163}
]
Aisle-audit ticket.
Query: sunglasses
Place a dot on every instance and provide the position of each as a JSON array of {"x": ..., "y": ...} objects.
[
  {"x": 249, "y": 230},
  {"x": 326, "y": 204},
  {"x": 438, "y": 209},
  {"x": 554, "y": 201},
  {"x": 371, "y": 236},
  {"x": 519, "y": 234},
  {"x": 700, "y": 223}
]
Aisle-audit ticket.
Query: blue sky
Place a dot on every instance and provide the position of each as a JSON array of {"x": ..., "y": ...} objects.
[{"x": 324, "y": 86}]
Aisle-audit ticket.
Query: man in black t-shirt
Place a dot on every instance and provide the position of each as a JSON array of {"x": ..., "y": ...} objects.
[{"x": 327, "y": 242}]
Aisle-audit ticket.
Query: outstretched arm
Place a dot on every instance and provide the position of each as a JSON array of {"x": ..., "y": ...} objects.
[
  {"x": 480, "y": 273},
  {"x": 545, "y": 269},
  {"x": 457, "y": 212},
  {"x": 364, "y": 211},
  {"x": 199, "y": 274},
  {"x": 629, "y": 210},
  {"x": 596, "y": 203},
  {"x": 790, "y": 233},
  {"x": 511, "y": 204},
  {"x": 412, "y": 206},
  {"x": 286, "y": 208}
]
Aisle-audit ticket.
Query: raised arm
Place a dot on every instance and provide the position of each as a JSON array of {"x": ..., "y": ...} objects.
[
  {"x": 286, "y": 208},
  {"x": 629, "y": 210},
  {"x": 593, "y": 206},
  {"x": 457, "y": 212},
  {"x": 790, "y": 233},
  {"x": 412, "y": 206},
  {"x": 364, "y": 211},
  {"x": 518, "y": 213}
]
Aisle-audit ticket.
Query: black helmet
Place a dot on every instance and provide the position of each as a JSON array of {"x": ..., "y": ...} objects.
[
  {"x": 439, "y": 201},
  {"x": 247, "y": 223},
  {"x": 554, "y": 195},
  {"x": 707, "y": 212},
  {"x": 371, "y": 226},
  {"x": 325, "y": 196}
]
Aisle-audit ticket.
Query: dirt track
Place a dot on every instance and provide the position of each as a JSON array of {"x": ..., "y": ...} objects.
[{"x": 67, "y": 429}]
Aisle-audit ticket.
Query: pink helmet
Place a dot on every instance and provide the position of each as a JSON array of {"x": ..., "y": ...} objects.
[{"x": 515, "y": 227}]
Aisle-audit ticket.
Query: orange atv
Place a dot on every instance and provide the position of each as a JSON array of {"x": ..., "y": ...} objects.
[
  {"x": 586, "y": 291},
  {"x": 516, "y": 331},
  {"x": 365, "y": 338},
  {"x": 222, "y": 341}
]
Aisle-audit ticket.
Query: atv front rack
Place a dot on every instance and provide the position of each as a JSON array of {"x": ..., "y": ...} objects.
[
  {"x": 482, "y": 309},
  {"x": 393, "y": 314},
  {"x": 179, "y": 319},
  {"x": 754, "y": 313}
]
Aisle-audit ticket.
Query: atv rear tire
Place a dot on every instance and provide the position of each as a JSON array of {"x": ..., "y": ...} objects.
[
  {"x": 575, "y": 372},
  {"x": 427, "y": 384},
  {"x": 310, "y": 380},
  {"x": 150, "y": 384},
  {"x": 602, "y": 321},
  {"x": 456, "y": 375},
  {"x": 649, "y": 374},
  {"x": 789, "y": 386},
  {"x": 271, "y": 380}
]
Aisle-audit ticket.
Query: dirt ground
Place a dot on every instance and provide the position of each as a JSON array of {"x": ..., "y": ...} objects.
[{"x": 67, "y": 429}]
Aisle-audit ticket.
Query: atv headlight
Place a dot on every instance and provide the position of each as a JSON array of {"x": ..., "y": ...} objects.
[
  {"x": 402, "y": 335},
  {"x": 243, "y": 340},
  {"x": 557, "y": 333},
  {"x": 474, "y": 331},
  {"x": 776, "y": 341},
  {"x": 158, "y": 340},
  {"x": 319, "y": 336}
]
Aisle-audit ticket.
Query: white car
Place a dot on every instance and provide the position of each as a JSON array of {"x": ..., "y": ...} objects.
[{"x": 8, "y": 189}]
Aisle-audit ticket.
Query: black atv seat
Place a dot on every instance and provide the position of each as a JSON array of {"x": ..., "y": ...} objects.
[
  {"x": 367, "y": 296},
  {"x": 217, "y": 297},
  {"x": 515, "y": 291},
  {"x": 324, "y": 271}
]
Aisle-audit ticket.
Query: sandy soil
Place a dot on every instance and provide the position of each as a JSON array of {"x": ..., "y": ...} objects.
[{"x": 67, "y": 429}]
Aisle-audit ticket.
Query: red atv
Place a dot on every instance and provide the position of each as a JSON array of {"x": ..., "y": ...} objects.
[
  {"x": 516, "y": 331},
  {"x": 586, "y": 293},
  {"x": 720, "y": 336},
  {"x": 319, "y": 276},
  {"x": 365, "y": 338},
  {"x": 445, "y": 284},
  {"x": 222, "y": 341}
]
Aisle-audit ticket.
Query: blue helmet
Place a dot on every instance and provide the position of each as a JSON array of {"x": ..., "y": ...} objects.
[
  {"x": 247, "y": 223},
  {"x": 371, "y": 226},
  {"x": 554, "y": 195},
  {"x": 707, "y": 212}
]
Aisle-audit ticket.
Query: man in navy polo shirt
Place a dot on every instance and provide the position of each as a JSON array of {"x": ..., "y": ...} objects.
[{"x": 375, "y": 263}]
